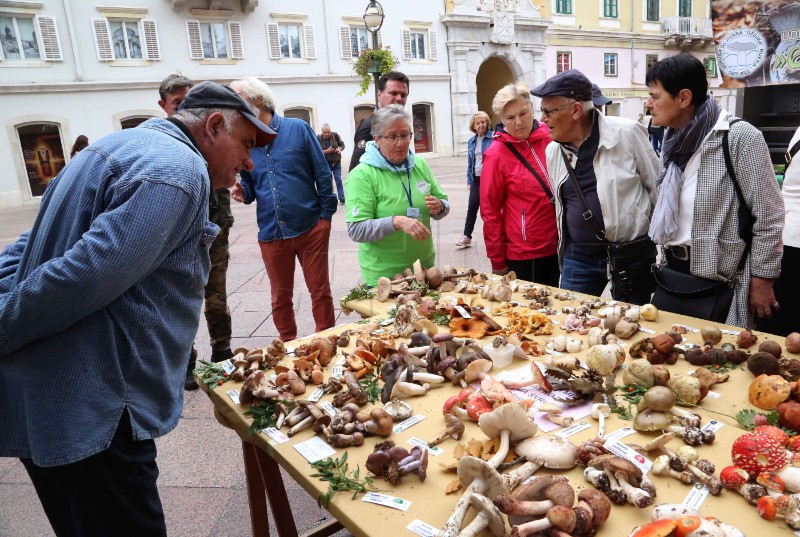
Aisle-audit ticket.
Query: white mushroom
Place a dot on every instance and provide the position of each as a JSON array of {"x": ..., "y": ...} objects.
[
  {"x": 552, "y": 452},
  {"x": 511, "y": 423},
  {"x": 488, "y": 517},
  {"x": 600, "y": 411},
  {"x": 476, "y": 476}
]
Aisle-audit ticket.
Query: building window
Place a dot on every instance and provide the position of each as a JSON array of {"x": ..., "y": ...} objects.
[
  {"x": 610, "y": 9},
  {"x": 710, "y": 64},
  {"x": 419, "y": 44},
  {"x": 684, "y": 8},
  {"x": 423, "y": 134},
  {"x": 212, "y": 35},
  {"x": 133, "y": 122},
  {"x": 362, "y": 112},
  {"x": 653, "y": 10},
  {"x": 298, "y": 113},
  {"x": 293, "y": 41},
  {"x": 358, "y": 40},
  {"x": 18, "y": 38},
  {"x": 610, "y": 64},
  {"x": 563, "y": 61},
  {"x": 125, "y": 40},
  {"x": 564, "y": 7},
  {"x": 43, "y": 152},
  {"x": 214, "y": 40},
  {"x": 650, "y": 60}
]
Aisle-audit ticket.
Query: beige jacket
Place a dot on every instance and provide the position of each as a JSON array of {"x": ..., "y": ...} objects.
[{"x": 626, "y": 168}]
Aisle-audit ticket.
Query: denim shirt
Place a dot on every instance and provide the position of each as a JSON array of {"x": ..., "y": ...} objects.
[
  {"x": 487, "y": 141},
  {"x": 291, "y": 182},
  {"x": 100, "y": 301}
]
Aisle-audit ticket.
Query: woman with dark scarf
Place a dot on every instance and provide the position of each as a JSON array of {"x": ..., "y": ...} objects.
[{"x": 695, "y": 218}]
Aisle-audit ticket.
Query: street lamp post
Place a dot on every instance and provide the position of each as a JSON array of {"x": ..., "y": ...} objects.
[{"x": 373, "y": 20}]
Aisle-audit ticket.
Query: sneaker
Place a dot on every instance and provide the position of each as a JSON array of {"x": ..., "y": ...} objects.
[
  {"x": 189, "y": 383},
  {"x": 221, "y": 356},
  {"x": 464, "y": 242}
]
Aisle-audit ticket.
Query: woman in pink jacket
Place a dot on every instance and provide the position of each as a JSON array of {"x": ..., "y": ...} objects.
[{"x": 519, "y": 219}]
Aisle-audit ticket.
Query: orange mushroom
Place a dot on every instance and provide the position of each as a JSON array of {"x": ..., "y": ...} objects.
[
  {"x": 659, "y": 528},
  {"x": 470, "y": 328},
  {"x": 686, "y": 525}
]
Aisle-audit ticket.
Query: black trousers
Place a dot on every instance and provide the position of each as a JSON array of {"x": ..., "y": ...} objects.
[
  {"x": 111, "y": 493},
  {"x": 541, "y": 270},
  {"x": 787, "y": 289},
  {"x": 473, "y": 205}
]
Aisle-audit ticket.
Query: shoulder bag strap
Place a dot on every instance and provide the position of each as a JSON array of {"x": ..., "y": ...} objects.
[
  {"x": 745, "y": 217},
  {"x": 792, "y": 152},
  {"x": 547, "y": 191},
  {"x": 587, "y": 212}
]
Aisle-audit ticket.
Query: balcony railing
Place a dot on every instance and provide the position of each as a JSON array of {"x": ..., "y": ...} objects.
[{"x": 686, "y": 30}]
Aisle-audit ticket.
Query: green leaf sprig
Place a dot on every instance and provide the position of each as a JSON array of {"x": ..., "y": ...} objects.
[
  {"x": 263, "y": 414},
  {"x": 442, "y": 319},
  {"x": 211, "y": 374},
  {"x": 362, "y": 292},
  {"x": 340, "y": 479},
  {"x": 633, "y": 393},
  {"x": 370, "y": 384}
]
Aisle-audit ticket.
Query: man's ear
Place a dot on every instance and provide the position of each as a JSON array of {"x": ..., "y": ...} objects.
[
  {"x": 162, "y": 104},
  {"x": 214, "y": 125}
]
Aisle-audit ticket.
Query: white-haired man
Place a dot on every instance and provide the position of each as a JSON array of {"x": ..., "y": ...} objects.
[
  {"x": 604, "y": 173},
  {"x": 291, "y": 184}
]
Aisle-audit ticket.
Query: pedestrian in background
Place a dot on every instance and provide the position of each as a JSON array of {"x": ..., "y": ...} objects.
[
  {"x": 332, "y": 146},
  {"x": 81, "y": 142},
  {"x": 292, "y": 185},
  {"x": 517, "y": 205},
  {"x": 477, "y": 145}
]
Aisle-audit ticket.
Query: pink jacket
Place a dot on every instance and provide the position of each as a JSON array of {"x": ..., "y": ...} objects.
[{"x": 519, "y": 221}]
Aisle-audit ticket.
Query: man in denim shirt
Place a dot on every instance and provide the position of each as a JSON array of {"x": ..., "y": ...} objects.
[{"x": 99, "y": 304}]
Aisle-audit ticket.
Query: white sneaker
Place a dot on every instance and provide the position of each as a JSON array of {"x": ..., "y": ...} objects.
[{"x": 464, "y": 242}]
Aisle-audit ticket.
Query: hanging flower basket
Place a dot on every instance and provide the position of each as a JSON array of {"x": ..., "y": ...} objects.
[{"x": 370, "y": 61}]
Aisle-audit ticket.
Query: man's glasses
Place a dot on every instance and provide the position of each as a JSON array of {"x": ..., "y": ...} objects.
[
  {"x": 393, "y": 138},
  {"x": 549, "y": 112}
]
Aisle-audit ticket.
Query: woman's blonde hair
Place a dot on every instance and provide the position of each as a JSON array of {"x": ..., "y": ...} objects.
[
  {"x": 510, "y": 93},
  {"x": 475, "y": 117}
]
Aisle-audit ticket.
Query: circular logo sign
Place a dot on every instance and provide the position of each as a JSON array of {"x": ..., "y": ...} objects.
[{"x": 741, "y": 52}]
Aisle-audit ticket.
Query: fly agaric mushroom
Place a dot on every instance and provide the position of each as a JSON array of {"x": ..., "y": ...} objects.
[
  {"x": 454, "y": 429},
  {"x": 476, "y": 476},
  {"x": 785, "y": 506},
  {"x": 735, "y": 479},
  {"x": 511, "y": 423},
  {"x": 756, "y": 453},
  {"x": 695, "y": 527},
  {"x": 488, "y": 517},
  {"x": 553, "y": 452}
]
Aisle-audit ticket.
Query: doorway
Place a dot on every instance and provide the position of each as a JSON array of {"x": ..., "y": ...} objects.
[{"x": 493, "y": 74}]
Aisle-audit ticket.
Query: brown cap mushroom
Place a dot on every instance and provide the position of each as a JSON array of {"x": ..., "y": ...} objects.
[
  {"x": 454, "y": 429},
  {"x": 536, "y": 499}
]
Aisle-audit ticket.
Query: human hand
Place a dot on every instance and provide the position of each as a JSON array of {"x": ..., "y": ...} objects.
[
  {"x": 761, "y": 297},
  {"x": 434, "y": 205},
  {"x": 237, "y": 193},
  {"x": 412, "y": 227},
  {"x": 500, "y": 272},
  {"x": 469, "y": 186}
]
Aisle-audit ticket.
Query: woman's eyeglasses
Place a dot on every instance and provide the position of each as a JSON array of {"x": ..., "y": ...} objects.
[{"x": 393, "y": 138}]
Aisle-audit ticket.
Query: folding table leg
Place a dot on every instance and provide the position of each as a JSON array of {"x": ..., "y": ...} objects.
[{"x": 256, "y": 494}]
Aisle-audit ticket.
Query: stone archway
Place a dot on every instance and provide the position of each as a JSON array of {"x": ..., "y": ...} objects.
[
  {"x": 470, "y": 46},
  {"x": 492, "y": 75}
]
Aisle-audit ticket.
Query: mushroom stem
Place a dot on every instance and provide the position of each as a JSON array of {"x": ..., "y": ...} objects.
[
  {"x": 305, "y": 424},
  {"x": 502, "y": 451},
  {"x": 296, "y": 417},
  {"x": 453, "y": 524},
  {"x": 514, "y": 478},
  {"x": 636, "y": 496}
]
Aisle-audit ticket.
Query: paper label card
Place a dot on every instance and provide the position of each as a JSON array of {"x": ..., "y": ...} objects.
[
  {"x": 228, "y": 366},
  {"x": 628, "y": 453},
  {"x": 315, "y": 449},
  {"x": 387, "y": 501},
  {"x": 336, "y": 371},
  {"x": 574, "y": 429},
  {"x": 713, "y": 395},
  {"x": 696, "y": 496},
  {"x": 276, "y": 435},
  {"x": 712, "y": 426},
  {"x": 464, "y": 313},
  {"x": 620, "y": 433},
  {"x": 316, "y": 395},
  {"x": 422, "y": 528},
  {"x": 646, "y": 330},
  {"x": 328, "y": 407},
  {"x": 234, "y": 395},
  {"x": 433, "y": 450},
  {"x": 387, "y": 322},
  {"x": 410, "y": 422}
]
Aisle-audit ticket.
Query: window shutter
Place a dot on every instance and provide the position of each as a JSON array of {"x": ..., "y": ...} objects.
[
  {"x": 193, "y": 34},
  {"x": 311, "y": 41},
  {"x": 380, "y": 39},
  {"x": 152, "y": 48},
  {"x": 344, "y": 43},
  {"x": 274, "y": 41},
  {"x": 50, "y": 42},
  {"x": 434, "y": 54},
  {"x": 102, "y": 40},
  {"x": 406, "y": 44},
  {"x": 235, "y": 33}
]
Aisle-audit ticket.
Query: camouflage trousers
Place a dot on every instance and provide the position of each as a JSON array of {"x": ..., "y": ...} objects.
[{"x": 218, "y": 315}]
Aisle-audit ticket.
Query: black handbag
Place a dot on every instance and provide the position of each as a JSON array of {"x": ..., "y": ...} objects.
[
  {"x": 630, "y": 262},
  {"x": 692, "y": 295}
]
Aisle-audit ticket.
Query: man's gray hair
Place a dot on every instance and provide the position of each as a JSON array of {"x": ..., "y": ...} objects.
[
  {"x": 588, "y": 106},
  {"x": 256, "y": 91},
  {"x": 389, "y": 114},
  {"x": 173, "y": 83},
  {"x": 324, "y": 125},
  {"x": 197, "y": 117}
]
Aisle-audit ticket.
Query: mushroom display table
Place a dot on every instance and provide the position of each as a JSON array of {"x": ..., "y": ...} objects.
[{"x": 428, "y": 502}]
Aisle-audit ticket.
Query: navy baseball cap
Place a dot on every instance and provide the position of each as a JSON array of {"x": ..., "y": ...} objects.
[
  {"x": 570, "y": 83},
  {"x": 212, "y": 95},
  {"x": 598, "y": 98}
]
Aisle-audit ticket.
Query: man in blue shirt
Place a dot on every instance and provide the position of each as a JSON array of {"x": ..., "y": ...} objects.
[
  {"x": 99, "y": 304},
  {"x": 291, "y": 183}
]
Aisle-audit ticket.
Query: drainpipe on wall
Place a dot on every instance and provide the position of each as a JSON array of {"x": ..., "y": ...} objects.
[
  {"x": 633, "y": 66},
  {"x": 73, "y": 44},
  {"x": 327, "y": 38}
]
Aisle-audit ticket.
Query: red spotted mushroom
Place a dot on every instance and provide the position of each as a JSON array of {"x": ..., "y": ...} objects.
[
  {"x": 756, "y": 453},
  {"x": 735, "y": 479}
]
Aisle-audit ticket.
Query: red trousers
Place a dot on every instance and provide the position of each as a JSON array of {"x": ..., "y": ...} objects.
[{"x": 311, "y": 248}]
